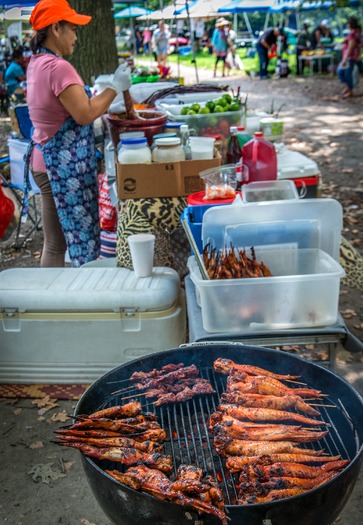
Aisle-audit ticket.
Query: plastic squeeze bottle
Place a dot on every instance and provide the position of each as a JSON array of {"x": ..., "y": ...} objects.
[{"x": 260, "y": 157}]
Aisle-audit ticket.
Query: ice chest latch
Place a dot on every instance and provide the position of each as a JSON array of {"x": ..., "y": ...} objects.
[{"x": 10, "y": 319}]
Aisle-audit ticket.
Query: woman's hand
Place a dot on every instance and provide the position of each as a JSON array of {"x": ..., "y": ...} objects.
[{"x": 121, "y": 78}]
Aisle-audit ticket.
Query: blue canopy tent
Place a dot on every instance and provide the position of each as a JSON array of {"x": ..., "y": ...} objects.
[
  {"x": 132, "y": 12},
  {"x": 248, "y": 6}
]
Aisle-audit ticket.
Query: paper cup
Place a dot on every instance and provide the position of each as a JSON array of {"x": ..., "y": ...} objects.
[{"x": 142, "y": 253}]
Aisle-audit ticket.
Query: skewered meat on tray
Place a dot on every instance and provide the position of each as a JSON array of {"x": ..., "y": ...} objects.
[
  {"x": 180, "y": 492},
  {"x": 233, "y": 264}
]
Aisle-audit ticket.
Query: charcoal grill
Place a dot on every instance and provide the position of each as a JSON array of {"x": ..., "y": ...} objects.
[{"x": 188, "y": 441}]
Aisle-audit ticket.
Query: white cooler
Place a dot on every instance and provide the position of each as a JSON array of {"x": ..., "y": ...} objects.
[{"x": 70, "y": 325}]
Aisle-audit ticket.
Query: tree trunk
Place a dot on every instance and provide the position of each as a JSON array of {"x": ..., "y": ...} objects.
[{"x": 95, "y": 52}]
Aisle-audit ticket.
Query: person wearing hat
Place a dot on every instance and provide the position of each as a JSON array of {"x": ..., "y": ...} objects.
[
  {"x": 220, "y": 44},
  {"x": 266, "y": 44},
  {"x": 322, "y": 31},
  {"x": 303, "y": 43},
  {"x": 62, "y": 151}
]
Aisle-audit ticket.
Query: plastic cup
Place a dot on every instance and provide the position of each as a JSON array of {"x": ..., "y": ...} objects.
[
  {"x": 201, "y": 147},
  {"x": 142, "y": 253}
]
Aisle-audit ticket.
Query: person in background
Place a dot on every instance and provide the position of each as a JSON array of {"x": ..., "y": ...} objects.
[
  {"x": 147, "y": 34},
  {"x": 15, "y": 73},
  {"x": 322, "y": 31},
  {"x": 138, "y": 39},
  {"x": 161, "y": 38},
  {"x": 303, "y": 44},
  {"x": 62, "y": 152},
  {"x": 266, "y": 44},
  {"x": 350, "y": 56},
  {"x": 220, "y": 44}
]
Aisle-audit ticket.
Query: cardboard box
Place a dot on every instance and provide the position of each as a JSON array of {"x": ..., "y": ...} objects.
[{"x": 164, "y": 179}]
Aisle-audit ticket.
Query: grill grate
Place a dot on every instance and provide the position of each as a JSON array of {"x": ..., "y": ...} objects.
[{"x": 189, "y": 442}]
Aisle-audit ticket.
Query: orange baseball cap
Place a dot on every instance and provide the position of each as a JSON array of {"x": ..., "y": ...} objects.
[{"x": 47, "y": 12}]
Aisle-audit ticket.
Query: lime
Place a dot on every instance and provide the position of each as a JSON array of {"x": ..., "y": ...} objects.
[
  {"x": 191, "y": 112},
  {"x": 228, "y": 97},
  {"x": 234, "y": 106},
  {"x": 195, "y": 107},
  {"x": 204, "y": 110},
  {"x": 218, "y": 109},
  {"x": 184, "y": 110},
  {"x": 222, "y": 102},
  {"x": 211, "y": 105}
]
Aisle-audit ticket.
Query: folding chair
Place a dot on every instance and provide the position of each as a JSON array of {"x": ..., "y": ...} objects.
[{"x": 26, "y": 197}]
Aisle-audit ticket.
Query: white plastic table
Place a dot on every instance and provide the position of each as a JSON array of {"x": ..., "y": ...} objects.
[{"x": 319, "y": 59}]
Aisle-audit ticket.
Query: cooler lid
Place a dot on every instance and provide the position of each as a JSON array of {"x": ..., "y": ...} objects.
[
  {"x": 87, "y": 289},
  {"x": 294, "y": 165},
  {"x": 304, "y": 223}
]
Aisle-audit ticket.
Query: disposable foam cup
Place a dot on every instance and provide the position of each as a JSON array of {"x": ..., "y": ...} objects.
[
  {"x": 201, "y": 147},
  {"x": 142, "y": 253}
]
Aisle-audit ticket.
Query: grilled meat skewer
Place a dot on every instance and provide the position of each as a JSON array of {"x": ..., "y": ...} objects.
[
  {"x": 266, "y": 414},
  {"x": 268, "y": 401},
  {"x": 236, "y": 447},
  {"x": 237, "y": 463},
  {"x": 269, "y": 386},
  {"x": 126, "y": 456},
  {"x": 225, "y": 366}
]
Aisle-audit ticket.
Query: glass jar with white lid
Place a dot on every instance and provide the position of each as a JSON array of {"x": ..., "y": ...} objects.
[
  {"x": 168, "y": 150},
  {"x": 134, "y": 151}
]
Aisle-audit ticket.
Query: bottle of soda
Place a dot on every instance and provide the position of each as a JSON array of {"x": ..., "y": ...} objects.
[
  {"x": 243, "y": 136},
  {"x": 234, "y": 155}
]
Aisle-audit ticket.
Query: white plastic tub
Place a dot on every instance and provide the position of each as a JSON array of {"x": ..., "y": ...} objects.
[
  {"x": 303, "y": 293},
  {"x": 269, "y": 190}
]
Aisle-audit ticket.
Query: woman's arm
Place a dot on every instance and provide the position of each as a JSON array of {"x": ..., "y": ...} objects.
[
  {"x": 350, "y": 47},
  {"x": 85, "y": 110}
]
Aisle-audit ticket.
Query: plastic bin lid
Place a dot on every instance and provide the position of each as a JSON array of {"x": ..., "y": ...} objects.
[
  {"x": 294, "y": 165},
  {"x": 196, "y": 199},
  {"x": 304, "y": 223}
]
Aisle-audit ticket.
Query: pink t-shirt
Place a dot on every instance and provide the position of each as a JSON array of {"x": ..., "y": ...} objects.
[{"x": 47, "y": 77}]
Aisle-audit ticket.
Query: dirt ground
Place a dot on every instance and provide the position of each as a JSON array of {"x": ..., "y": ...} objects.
[{"x": 43, "y": 484}]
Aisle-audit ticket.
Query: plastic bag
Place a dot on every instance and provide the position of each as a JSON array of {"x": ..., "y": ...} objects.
[
  {"x": 7, "y": 209},
  {"x": 107, "y": 212}
]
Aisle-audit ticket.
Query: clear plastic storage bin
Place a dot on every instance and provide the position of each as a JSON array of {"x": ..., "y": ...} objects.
[{"x": 303, "y": 293}]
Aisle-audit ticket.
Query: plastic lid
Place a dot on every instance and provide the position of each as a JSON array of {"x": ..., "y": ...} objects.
[
  {"x": 241, "y": 128},
  {"x": 168, "y": 141},
  {"x": 196, "y": 199},
  {"x": 132, "y": 134},
  {"x": 174, "y": 124},
  {"x": 258, "y": 134},
  {"x": 164, "y": 135},
  {"x": 233, "y": 129},
  {"x": 133, "y": 141},
  {"x": 184, "y": 127}
]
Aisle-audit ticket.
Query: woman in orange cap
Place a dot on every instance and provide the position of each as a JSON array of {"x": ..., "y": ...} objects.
[{"x": 62, "y": 113}]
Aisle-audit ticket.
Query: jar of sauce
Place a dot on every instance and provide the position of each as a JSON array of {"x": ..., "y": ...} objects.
[
  {"x": 168, "y": 150},
  {"x": 134, "y": 151}
]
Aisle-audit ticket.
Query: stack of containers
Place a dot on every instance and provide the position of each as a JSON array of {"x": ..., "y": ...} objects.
[{"x": 299, "y": 241}]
